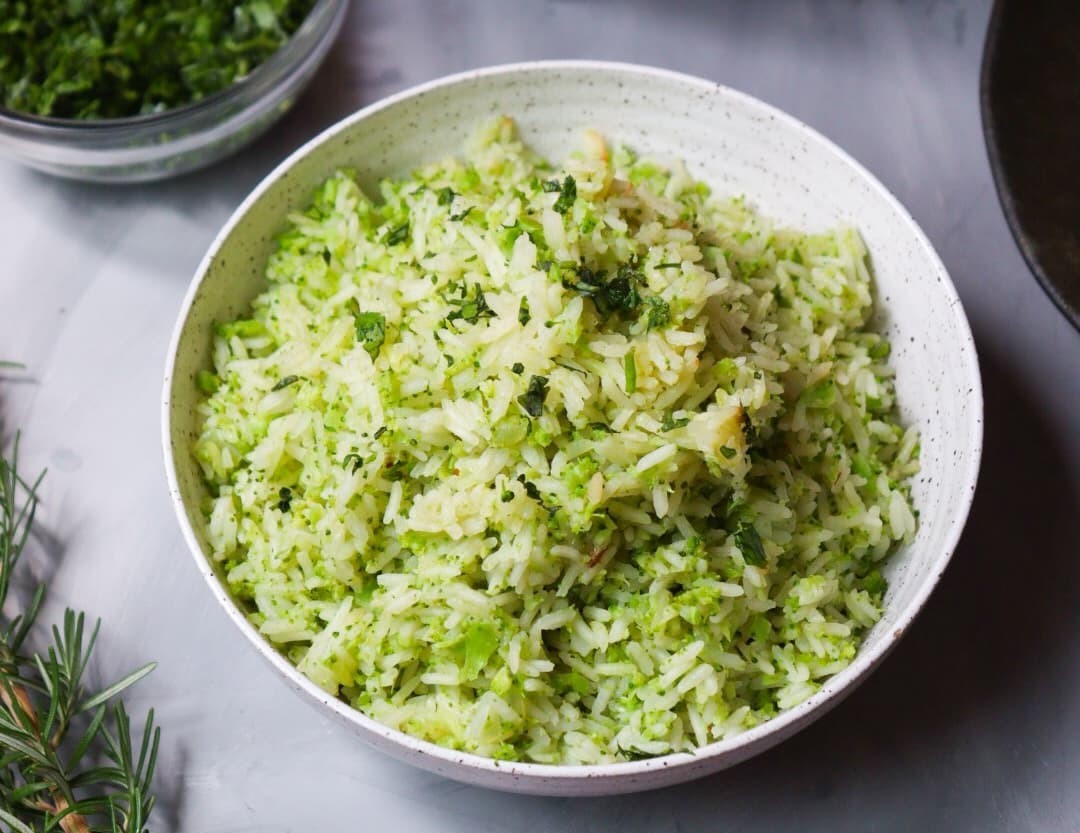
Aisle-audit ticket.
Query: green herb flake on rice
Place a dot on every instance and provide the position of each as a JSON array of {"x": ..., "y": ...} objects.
[{"x": 571, "y": 466}]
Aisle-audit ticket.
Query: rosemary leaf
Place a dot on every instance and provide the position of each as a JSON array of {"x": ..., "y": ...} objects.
[{"x": 68, "y": 759}]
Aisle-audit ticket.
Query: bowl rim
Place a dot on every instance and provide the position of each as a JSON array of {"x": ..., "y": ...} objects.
[
  {"x": 692, "y": 764},
  {"x": 281, "y": 59}
]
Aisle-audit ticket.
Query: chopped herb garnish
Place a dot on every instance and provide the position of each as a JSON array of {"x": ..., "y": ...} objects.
[
  {"x": 551, "y": 185},
  {"x": 284, "y": 499},
  {"x": 285, "y": 382},
  {"x": 601, "y": 426},
  {"x": 461, "y": 215},
  {"x": 352, "y": 461},
  {"x": 728, "y": 452},
  {"x": 530, "y": 489},
  {"x": 668, "y": 266},
  {"x": 446, "y": 195},
  {"x": 618, "y": 295},
  {"x": 506, "y": 496},
  {"x": 524, "y": 316},
  {"x": 670, "y": 423},
  {"x": 630, "y": 372},
  {"x": 371, "y": 331},
  {"x": 397, "y": 235},
  {"x": 379, "y": 432},
  {"x": 567, "y": 195},
  {"x": 518, "y": 368},
  {"x": 472, "y": 309},
  {"x": 533, "y": 398},
  {"x": 749, "y": 543},
  {"x": 748, "y": 428}
]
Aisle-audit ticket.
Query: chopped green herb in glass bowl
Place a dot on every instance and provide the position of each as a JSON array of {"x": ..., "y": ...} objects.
[{"x": 128, "y": 91}]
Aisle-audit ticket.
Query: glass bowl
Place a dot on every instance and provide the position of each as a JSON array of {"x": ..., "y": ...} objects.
[{"x": 160, "y": 145}]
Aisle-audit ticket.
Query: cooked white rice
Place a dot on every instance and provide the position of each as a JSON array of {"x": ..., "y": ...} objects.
[{"x": 562, "y": 466}]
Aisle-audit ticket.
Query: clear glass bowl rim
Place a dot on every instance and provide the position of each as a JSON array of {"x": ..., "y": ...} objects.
[{"x": 280, "y": 63}]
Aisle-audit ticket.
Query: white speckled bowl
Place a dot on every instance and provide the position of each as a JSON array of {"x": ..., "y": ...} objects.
[{"x": 738, "y": 145}]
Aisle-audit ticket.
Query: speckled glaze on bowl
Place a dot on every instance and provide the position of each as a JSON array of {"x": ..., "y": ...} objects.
[{"x": 738, "y": 145}]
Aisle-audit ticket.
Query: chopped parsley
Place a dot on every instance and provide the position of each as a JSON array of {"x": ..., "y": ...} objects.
[
  {"x": 524, "y": 316},
  {"x": 530, "y": 489},
  {"x": 446, "y": 195},
  {"x": 353, "y": 462},
  {"x": 518, "y": 368},
  {"x": 670, "y": 423},
  {"x": 461, "y": 215},
  {"x": 379, "y": 432},
  {"x": 105, "y": 59},
  {"x": 619, "y": 295},
  {"x": 284, "y": 499},
  {"x": 470, "y": 310},
  {"x": 397, "y": 235},
  {"x": 728, "y": 452},
  {"x": 749, "y": 543},
  {"x": 567, "y": 195},
  {"x": 533, "y": 398}
]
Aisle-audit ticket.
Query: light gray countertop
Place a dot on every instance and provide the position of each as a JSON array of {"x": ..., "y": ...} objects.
[{"x": 973, "y": 724}]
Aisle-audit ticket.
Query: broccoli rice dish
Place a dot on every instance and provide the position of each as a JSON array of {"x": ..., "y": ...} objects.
[{"x": 566, "y": 465}]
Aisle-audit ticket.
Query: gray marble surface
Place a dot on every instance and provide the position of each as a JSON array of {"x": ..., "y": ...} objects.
[{"x": 973, "y": 724}]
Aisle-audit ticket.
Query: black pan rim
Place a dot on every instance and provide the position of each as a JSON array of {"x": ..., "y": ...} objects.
[{"x": 997, "y": 169}]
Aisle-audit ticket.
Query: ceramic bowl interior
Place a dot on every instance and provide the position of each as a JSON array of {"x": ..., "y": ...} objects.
[{"x": 739, "y": 146}]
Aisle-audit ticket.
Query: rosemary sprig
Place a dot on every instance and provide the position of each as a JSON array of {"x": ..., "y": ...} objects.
[{"x": 68, "y": 761}]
